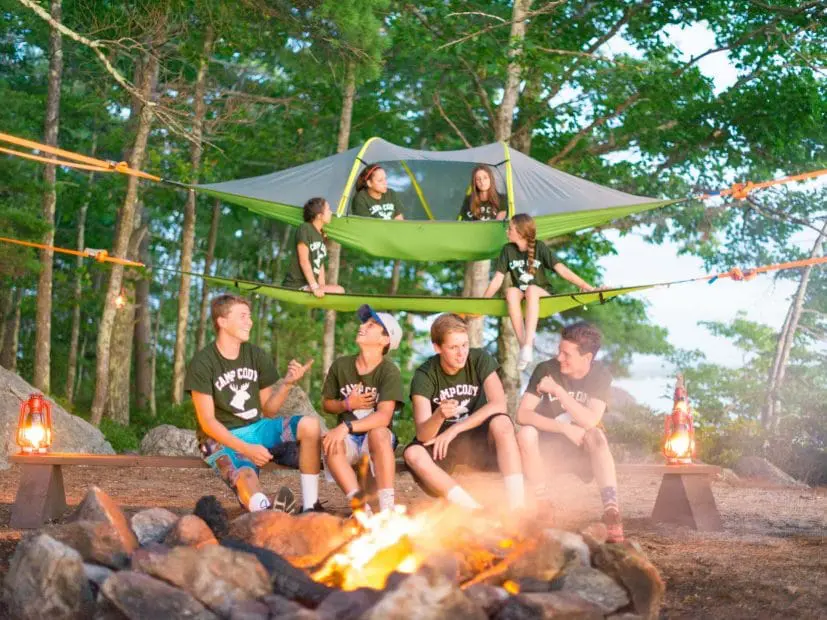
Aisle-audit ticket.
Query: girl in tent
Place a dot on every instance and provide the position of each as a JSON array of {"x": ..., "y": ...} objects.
[
  {"x": 373, "y": 197},
  {"x": 483, "y": 203},
  {"x": 306, "y": 270},
  {"x": 527, "y": 261}
]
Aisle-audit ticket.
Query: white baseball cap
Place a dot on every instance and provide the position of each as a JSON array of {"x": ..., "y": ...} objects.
[{"x": 390, "y": 324}]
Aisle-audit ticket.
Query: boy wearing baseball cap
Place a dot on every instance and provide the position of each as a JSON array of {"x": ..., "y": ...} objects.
[{"x": 365, "y": 390}]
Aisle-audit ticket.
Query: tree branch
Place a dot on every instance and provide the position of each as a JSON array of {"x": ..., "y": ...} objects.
[{"x": 456, "y": 129}]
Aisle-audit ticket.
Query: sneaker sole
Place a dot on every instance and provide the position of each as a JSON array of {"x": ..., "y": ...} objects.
[{"x": 285, "y": 501}]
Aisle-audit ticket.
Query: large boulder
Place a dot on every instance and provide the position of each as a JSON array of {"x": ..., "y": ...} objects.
[
  {"x": 762, "y": 470},
  {"x": 298, "y": 403},
  {"x": 70, "y": 433},
  {"x": 169, "y": 440}
]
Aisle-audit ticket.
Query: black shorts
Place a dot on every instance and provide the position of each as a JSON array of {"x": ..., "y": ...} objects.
[
  {"x": 561, "y": 455},
  {"x": 472, "y": 448}
]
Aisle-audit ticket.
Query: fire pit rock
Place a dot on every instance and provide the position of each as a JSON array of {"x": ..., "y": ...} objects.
[
  {"x": 98, "y": 506},
  {"x": 190, "y": 531},
  {"x": 97, "y": 542},
  {"x": 46, "y": 579},
  {"x": 152, "y": 525},
  {"x": 638, "y": 575},
  {"x": 135, "y": 595},
  {"x": 302, "y": 540},
  {"x": 594, "y": 587}
]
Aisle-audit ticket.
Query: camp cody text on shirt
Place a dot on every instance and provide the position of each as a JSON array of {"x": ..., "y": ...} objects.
[
  {"x": 384, "y": 382},
  {"x": 386, "y": 208},
  {"x": 313, "y": 239},
  {"x": 514, "y": 262},
  {"x": 488, "y": 211},
  {"x": 465, "y": 387},
  {"x": 596, "y": 384},
  {"x": 233, "y": 384}
]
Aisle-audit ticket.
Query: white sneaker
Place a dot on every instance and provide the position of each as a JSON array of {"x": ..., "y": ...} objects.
[{"x": 526, "y": 357}]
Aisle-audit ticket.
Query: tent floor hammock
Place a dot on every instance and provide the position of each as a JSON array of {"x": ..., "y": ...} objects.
[{"x": 493, "y": 306}]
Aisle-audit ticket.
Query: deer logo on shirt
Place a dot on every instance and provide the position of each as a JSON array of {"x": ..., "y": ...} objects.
[{"x": 240, "y": 396}]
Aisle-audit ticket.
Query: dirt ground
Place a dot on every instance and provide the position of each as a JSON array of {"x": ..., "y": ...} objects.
[{"x": 769, "y": 562}]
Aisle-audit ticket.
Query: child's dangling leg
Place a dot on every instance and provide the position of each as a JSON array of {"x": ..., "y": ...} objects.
[{"x": 514, "y": 298}]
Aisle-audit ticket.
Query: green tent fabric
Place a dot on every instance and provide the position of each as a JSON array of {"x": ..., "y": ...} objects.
[
  {"x": 432, "y": 186},
  {"x": 494, "y": 306}
]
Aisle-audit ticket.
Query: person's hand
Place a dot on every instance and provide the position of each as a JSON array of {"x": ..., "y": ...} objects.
[
  {"x": 295, "y": 371},
  {"x": 548, "y": 386},
  {"x": 588, "y": 288},
  {"x": 334, "y": 441},
  {"x": 501, "y": 215},
  {"x": 258, "y": 454},
  {"x": 448, "y": 408},
  {"x": 574, "y": 433},
  {"x": 359, "y": 400},
  {"x": 441, "y": 443},
  {"x": 318, "y": 292}
]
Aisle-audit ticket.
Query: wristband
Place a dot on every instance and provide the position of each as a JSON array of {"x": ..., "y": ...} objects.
[{"x": 347, "y": 403}]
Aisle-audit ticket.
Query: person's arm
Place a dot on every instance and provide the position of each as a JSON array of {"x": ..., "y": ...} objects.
[
  {"x": 528, "y": 416},
  {"x": 495, "y": 403},
  {"x": 303, "y": 251},
  {"x": 271, "y": 401},
  {"x": 567, "y": 274},
  {"x": 495, "y": 284},
  {"x": 587, "y": 416},
  {"x": 501, "y": 215},
  {"x": 321, "y": 278},
  {"x": 354, "y": 401},
  {"x": 205, "y": 412},
  {"x": 427, "y": 423}
]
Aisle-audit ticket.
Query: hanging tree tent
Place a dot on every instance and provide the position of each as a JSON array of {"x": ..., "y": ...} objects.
[{"x": 432, "y": 185}]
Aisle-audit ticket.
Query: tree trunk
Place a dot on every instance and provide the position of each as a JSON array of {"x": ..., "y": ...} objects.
[
  {"x": 153, "y": 406},
  {"x": 188, "y": 232},
  {"x": 74, "y": 338},
  {"x": 81, "y": 366},
  {"x": 11, "y": 332},
  {"x": 43, "y": 320},
  {"x": 771, "y": 414},
  {"x": 334, "y": 249},
  {"x": 201, "y": 334},
  {"x": 143, "y": 324},
  {"x": 6, "y": 299},
  {"x": 148, "y": 78},
  {"x": 277, "y": 269}
]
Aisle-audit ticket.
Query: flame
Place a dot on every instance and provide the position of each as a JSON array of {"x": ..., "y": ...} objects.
[
  {"x": 678, "y": 444},
  {"x": 35, "y": 435},
  {"x": 120, "y": 301},
  {"x": 512, "y": 587}
]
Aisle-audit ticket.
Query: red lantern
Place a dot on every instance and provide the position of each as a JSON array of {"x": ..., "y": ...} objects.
[
  {"x": 679, "y": 430},
  {"x": 34, "y": 428}
]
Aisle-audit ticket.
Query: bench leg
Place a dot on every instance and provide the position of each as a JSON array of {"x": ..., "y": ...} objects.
[
  {"x": 686, "y": 499},
  {"x": 40, "y": 496}
]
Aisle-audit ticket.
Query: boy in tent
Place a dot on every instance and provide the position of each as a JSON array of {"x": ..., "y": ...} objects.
[
  {"x": 560, "y": 415},
  {"x": 459, "y": 409},
  {"x": 365, "y": 390},
  {"x": 231, "y": 384}
]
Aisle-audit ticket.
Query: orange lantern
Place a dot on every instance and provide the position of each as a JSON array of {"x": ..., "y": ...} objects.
[
  {"x": 34, "y": 427},
  {"x": 679, "y": 430}
]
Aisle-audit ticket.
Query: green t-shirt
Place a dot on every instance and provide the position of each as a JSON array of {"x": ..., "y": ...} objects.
[
  {"x": 513, "y": 261},
  {"x": 385, "y": 381},
  {"x": 386, "y": 208},
  {"x": 233, "y": 384},
  {"x": 466, "y": 387},
  {"x": 313, "y": 239},
  {"x": 488, "y": 211}
]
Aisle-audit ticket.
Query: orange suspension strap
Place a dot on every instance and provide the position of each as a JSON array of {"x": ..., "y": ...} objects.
[
  {"x": 736, "y": 273},
  {"x": 102, "y": 256},
  {"x": 740, "y": 191}
]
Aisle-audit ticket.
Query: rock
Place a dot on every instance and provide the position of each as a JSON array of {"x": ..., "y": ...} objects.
[
  {"x": 297, "y": 403},
  {"x": 637, "y": 574},
  {"x": 152, "y": 524},
  {"x": 46, "y": 580},
  {"x": 138, "y": 597},
  {"x": 98, "y": 506},
  {"x": 626, "y": 616},
  {"x": 69, "y": 433},
  {"x": 595, "y": 587},
  {"x": 544, "y": 562},
  {"x": 594, "y": 535},
  {"x": 761, "y": 469},
  {"x": 351, "y": 605},
  {"x": 96, "y": 541},
  {"x": 727, "y": 476},
  {"x": 216, "y": 576},
  {"x": 190, "y": 531},
  {"x": 518, "y": 608},
  {"x": 169, "y": 440},
  {"x": 303, "y": 540},
  {"x": 565, "y": 605},
  {"x": 283, "y": 609},
  {"x": 250, "y": 610},
  {"x": 425, "y": 595},
  {"x": 489, "y": 598},
  {"x": 96, "y": 575},
  {"x": 574, "y": 547}
]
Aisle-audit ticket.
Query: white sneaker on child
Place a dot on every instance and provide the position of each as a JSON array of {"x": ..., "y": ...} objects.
[{"x": 526, "y": 357}]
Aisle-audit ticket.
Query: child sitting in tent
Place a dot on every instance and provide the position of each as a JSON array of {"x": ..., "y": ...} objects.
[
  {"x": 373, "y": 197},
  {"x": 307, "y": 267},
  {"x": 483, "y": 203},
  {"x": 526, "y": 261},
  {"x": 365, "y": 390}
]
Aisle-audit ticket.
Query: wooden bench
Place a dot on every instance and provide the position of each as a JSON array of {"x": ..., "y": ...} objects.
[{"x": 684, "y": 498}]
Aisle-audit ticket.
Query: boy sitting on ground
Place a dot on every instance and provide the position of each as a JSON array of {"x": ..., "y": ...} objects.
[
  {"x": 365, "y": 390},
  {"x": 231, "y": 383},
  {"x": 561, "y": 412},
  {"x": 459, "y": 408}
]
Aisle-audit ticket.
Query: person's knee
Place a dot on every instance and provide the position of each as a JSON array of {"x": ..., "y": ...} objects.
[
  {"x": 533, "y": 292},
  {"x": 501, "y": 427},
  {"x": 595, "y": 440},
  {"x": 308, "y": 428},
  {"x": 246, "y": 477},
  {"x": 379, "y": 440},
  {"x": 416, "y": 457},
  {"x": 513, "y": 294},
  {"x": 528, "y": 438}
]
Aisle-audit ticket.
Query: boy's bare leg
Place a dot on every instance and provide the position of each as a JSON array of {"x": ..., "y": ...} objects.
[
  {"x": 419, "y": 459},
  {"x": 380, "y": 445},
  {"x": 309, "y": 436},
  {"x": 501, "y": 432},
  {"x": 247, "y": 484},
  {"x": 342, "y": 472}
]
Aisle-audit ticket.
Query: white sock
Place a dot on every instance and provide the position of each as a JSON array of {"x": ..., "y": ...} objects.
[
  {"x": 386, "y": 497},
  {"x": 515, "y": 488},
  {"x": 258, "y": 502},
  {"x": 350, "y": 495},
  {"x": 458, "y": 495},
  {"x": 310, "y": 490}
]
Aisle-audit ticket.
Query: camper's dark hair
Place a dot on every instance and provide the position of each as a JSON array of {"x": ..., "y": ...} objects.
[
  {"x": 312, "y": 208},
  {"x": 365, "y": 175},
  {"x": 492, "y": 197},
  {"x": 585, "y": 335}
]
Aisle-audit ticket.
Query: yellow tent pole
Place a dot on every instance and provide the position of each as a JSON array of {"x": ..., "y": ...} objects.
[
  {"x": 351, "y": 179},
  {"x": 418, "y": 190},
  {"x": 509, "y": 181}
]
